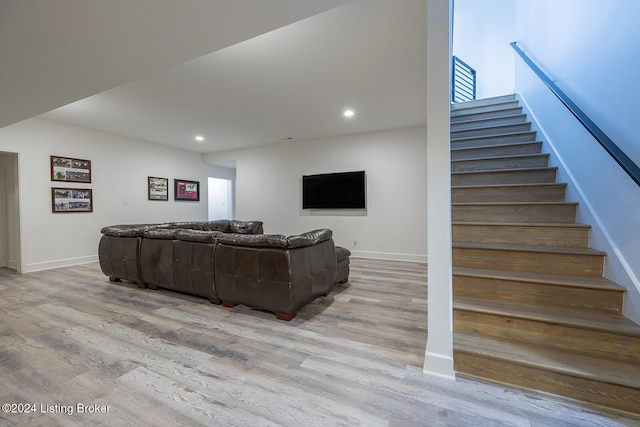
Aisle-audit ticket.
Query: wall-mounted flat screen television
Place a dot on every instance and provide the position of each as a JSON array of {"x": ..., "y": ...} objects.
[{"x": 344, "y": 190}]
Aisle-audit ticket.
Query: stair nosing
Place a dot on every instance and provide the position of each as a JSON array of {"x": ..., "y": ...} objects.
[
  {"x": 540, "y": 364},
  {"x": 551, "y": 315},
  {"x": 566, "y": 280}
]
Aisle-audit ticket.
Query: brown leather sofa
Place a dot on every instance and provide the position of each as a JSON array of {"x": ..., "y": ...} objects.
[
  {"x": 274, "y": 272},
  {"x": 120, "y": 245},
  {"x": 231, "y": 262}
]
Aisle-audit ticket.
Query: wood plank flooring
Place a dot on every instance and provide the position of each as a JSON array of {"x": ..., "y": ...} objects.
[{"x": 158, "y": 358}]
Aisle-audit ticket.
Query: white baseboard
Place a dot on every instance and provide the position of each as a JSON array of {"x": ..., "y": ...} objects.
[
  {"x": 389, "y": 256},
  {"x": 48, "y": 265}
]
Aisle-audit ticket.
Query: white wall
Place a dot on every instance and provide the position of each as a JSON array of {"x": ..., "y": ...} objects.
[
  {"x": 269, "y": 188},
  {"x": 590, "y": 50},
  {"x": 120, "y": 169},
  {"x": 482, "y": 31}
]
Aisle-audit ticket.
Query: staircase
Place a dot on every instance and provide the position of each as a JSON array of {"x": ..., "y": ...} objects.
[{"x": 531, "y": 306}]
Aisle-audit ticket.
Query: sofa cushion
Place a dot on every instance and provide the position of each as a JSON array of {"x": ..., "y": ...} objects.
[
  {"x": 128, "y": 230},
  {"x": 161, "y": 233},
  {"x": 187, "y": 225},
  {"x": 277, "y": 240},
  {"x": 218, "y": 225},
  {"x": 245, "y": 227},
  {"x": 199, "y": 236},
  {"x": 254, "y": 240}
]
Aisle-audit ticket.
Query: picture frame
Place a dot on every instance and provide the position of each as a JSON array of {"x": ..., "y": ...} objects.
[
  {"x": 185, "y": 190},
  {"x": 70, "y": 169},
  {"x": 71, "y": 200},
  {"x": 158, "y": 188}
]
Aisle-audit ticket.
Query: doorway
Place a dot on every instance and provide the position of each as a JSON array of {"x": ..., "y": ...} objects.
[
  {"x": 9, "y": 212},
  {"x": 220, "y": 199}
]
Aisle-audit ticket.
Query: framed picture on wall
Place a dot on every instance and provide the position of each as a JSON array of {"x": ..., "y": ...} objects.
[
  {"x": 158, "y": 188},
  {"x": 67, "y": 200},
  {"x": 186, "y": 190},
  {"x": 70, "y": 170}
]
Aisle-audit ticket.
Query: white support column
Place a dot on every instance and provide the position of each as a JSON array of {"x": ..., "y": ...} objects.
[{"x": 439, "y": 352}]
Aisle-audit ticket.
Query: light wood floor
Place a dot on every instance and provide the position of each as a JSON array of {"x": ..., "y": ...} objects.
[{"x": 157, "y": 358}]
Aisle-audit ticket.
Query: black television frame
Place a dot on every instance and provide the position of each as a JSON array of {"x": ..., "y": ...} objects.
[{"x": 338, "y": 190}]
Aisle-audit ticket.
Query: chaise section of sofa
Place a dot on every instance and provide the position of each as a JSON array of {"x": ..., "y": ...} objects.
[{"x": 274, "y": 272}]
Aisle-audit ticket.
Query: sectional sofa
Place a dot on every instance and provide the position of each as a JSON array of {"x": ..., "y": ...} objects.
[{"x": 228, "y": 262}]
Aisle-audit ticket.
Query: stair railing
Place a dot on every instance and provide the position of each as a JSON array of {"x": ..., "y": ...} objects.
[
  {"x": 463, "y": 81},
  {"x": 618, "y": 155}
]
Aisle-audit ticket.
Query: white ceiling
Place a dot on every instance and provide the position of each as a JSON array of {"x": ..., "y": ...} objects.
[
  {"x": 292, "y": 82},
  {"x": 56, "y": 52}
]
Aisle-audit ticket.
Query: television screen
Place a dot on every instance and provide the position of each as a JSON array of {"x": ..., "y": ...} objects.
[{"x": 344, "y": 190}]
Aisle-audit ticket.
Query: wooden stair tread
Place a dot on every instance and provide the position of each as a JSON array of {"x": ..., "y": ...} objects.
[
  {"x": 502, "y": 136},
  {"x": 550, "y": 279},
  {"x": 495, "y": 127},
  {"x": 522, "y": 224},
  {"x": 502, "y": 107},
  {"x": 513, "y": 203},
  {"x": 506, "y": 109},
  {"x": 489, "y": 119},
  {"x": 507, "y": 144},
  {"x": 498, "y": 171},
  {"x": 567, "y": 316},
  {"x": 494, "y": 100},
  {"x": 579, "y": 365},
  {"x": 529, "y": 248},
  {"x": 512, "y": 156},
  {"x": 544, "y": 184}
]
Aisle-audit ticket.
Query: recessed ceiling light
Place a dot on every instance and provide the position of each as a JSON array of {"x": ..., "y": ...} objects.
[
  {"x": 348, "y": 113},
  {"x": 199, "y": 138}
]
